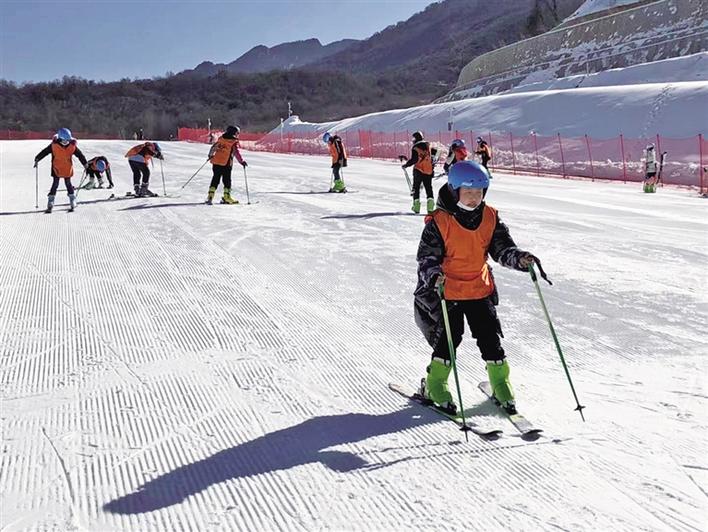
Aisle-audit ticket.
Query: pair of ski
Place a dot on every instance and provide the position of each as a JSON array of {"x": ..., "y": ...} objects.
[
  {"x": 133, "y": 195},
  {"x": 523, "y": 425}
]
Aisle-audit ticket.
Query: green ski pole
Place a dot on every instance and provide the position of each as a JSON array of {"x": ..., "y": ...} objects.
[
  {"x": 553, "y": 333},
  {"x": 453, "y": 360}
]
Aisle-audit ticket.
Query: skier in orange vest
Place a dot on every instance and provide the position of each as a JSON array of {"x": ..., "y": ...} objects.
[
  {"x": 457, "y": 240},
  {"x": 62, "y": 148},
  {"x": 422, "y": 160},
  {"x": 138, "y": 158},
  {"x": 222, "y": 155},
  {"x": 339, "y": 160}
]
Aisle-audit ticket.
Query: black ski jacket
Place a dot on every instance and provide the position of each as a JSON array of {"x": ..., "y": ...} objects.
[{"x": 431, "y": 251}]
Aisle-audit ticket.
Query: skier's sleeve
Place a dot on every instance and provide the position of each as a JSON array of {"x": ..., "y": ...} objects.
[
  {"x": 503, "y": 248},
  {"x": 448, "y": 161},
  {"x": 412, "y": 160},
  {"x": 80, "y": 156},
  {"x": 431, "y": 251},
  {"x": 237, "y": 153},
  {"x": 42, "y": 154}
]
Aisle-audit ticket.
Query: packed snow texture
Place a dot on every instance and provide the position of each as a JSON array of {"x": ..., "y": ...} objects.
[
  {"x": 168, "y": 365},
  {"x": 595, "y": 6}
]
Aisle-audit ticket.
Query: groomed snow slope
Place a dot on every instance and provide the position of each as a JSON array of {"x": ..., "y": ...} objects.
[{"x": 166, "y": 365}]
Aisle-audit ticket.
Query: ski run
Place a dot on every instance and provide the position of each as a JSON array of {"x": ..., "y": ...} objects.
[{"x": 171, "y": 365}]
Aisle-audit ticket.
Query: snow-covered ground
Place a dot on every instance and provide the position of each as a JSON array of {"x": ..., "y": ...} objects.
[
  {"x": 649, "y": 99},
  {"x": 166, "y": 365},
  {"x": 595, "y": 6}
]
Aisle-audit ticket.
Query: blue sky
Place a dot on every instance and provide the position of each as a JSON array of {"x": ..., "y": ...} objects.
[{"x": 110, "y": 40}]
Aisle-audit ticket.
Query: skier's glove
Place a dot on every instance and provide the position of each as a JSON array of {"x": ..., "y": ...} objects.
[
  {"x": 244, "y": 164},
  {"x": 36, "y": 162},
  {"x": 402, "y": 158},
  {"x": 527, "y": 259}
]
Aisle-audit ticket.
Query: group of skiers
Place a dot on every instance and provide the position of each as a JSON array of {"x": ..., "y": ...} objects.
[{"x": 461, "y": 231}]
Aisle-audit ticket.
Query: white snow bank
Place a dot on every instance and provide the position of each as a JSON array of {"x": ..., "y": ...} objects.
[{"x": 674, "y": 110}]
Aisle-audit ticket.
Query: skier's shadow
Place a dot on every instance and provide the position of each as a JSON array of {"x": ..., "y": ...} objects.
[
  {"x": 300, "y": 192},
  {"x": 301, "y": 444},
  {"x": 365, "y": 216},
  {"x": 143, "y": 206}
]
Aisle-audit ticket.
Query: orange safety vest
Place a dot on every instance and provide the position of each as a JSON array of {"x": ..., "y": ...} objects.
[
  {"x": 61, "y": 159},
  {"x": 424, "y": 163},
  {"x": 335, "y": 153},
  {"x": 223, "y": 151},
  {"x": 135, "y": 150},
  {"x": 467, "y": 275}
]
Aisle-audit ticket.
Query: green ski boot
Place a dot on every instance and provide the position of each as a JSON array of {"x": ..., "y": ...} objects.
[
  {"x": 416, "y": 206},
  {"x": 435, "y": 385},
  {"x": 431, "y": 205},
  {"x": 339, "y": 186},
  {"x": 210, "y": 195},
  {"x": 227, "y": 197},
  {"x": 498, "y": 372}
]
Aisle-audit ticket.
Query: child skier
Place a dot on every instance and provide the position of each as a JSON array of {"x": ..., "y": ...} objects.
[
  {"x": 62, "y": 148},
  {"x": 456, "y": 153},
  {"x": 456, "y": 241},
  {"x": 222, "y": 155},
  {"x": 95, "y": 169},
  {"x": 423, "y": 171},
  {"x": 650, "y": 169},
  {"x": 138, "y": 157},
  {"x": 339, "y": 160},
  {"x": 484, "y": 151}
]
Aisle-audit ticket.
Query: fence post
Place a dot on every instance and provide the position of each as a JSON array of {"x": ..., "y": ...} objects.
[
  {"x": 624, "y": 161},
  {"x": 560, "y": 145},
  {"x": 513, "y": 155},
  {"x": 658, "y": 150},
  {"x": 700, "y": 156},
  {"x": 535, "y": 147},
  {"x": 592, "y": 168}
]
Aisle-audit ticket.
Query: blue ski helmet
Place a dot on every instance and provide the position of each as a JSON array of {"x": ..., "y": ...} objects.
[
  {"x": 468, "y": 174},
  {"x": 101, "y": 165},
  {"x": 64, "y": 134},
  {"x": 326, "y": 137},
  {"x": 457, "y": 143}
]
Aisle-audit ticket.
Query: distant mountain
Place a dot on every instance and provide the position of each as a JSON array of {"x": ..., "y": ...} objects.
[
  {"x": 286, "y": 56},
  {"x": 438, "y": 41}
]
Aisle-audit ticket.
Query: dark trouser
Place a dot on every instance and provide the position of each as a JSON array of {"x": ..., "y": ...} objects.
[
  {"x": 484, "y": 325},
  {"x": 139, "y": 170},
  {"x": 93, "y": 174},
  {"x": 485, "y": 162},
  {"x": 55, "y": 186},
  {"x": 219, "y": 173},
  {"x": 419, "y": 178},
  {"x": 336, "y": 167}
]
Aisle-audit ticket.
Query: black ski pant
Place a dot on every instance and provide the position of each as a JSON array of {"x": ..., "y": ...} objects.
[
  {"x": 55, "y": 186},
  {"x": 221, "y": 172},
  {"x": 481, "y": 316},
  {"x": 140, "y": 170},
  {"x": 419, "y": 178},
  {"x": 336, "y": 167}
]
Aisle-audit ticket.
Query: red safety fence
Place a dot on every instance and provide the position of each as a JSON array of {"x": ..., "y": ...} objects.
[
  {"x": 618, "y": 158},
  {"x": 9, "y": 134}
]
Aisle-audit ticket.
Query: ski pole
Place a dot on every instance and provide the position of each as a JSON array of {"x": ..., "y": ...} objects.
[
  {"x": 453, "y": 358},
  {"x": 194, "y": 175},
  {"x": 245, "y": 180},
  {"x": 36, "y": 186},
  {"x": 408, "y": 180},
  {"x": 162, "y": 171},
  {"x": 331, "y": 181},
  {"x": 81, "y": 182},
  {"x": 553, "y": 333}
]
